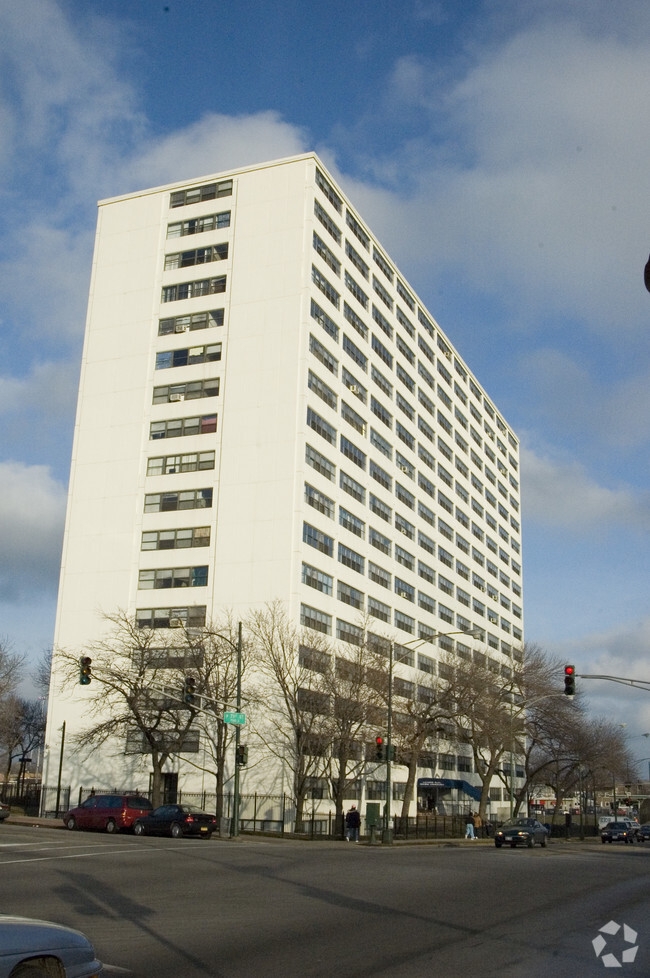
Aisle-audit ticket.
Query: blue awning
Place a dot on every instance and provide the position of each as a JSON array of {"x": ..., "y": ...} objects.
[{"x": 474, "y": 791}]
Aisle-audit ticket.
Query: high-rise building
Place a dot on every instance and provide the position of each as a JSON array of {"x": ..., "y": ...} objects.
[{"x": 268, "y": 411}]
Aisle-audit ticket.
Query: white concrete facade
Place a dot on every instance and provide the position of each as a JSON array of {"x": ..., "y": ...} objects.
[{"x": 358, "y": 466}]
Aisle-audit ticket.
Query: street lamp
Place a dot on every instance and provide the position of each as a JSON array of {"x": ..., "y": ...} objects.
[{"x": 387, "y": 836}]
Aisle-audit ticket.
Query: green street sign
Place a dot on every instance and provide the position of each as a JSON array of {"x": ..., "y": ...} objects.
[{"x": 239, "y": 719}]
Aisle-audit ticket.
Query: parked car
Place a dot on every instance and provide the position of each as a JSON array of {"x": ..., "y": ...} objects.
[
  {"x": 5, "y": 811},
  {"x": 521, "y": 832},
  {"x": 37, "y": 948},
  {"x": 109, "y": 813},
  {"x": 618, "y": 832},
  {"x": 177, "y": 821},
  {"x": 644, "y": 833}
]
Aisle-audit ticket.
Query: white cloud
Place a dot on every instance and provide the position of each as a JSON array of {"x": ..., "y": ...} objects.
[
  {"x": 560, "y": 493},
  {"x": 31, "y": 529}
]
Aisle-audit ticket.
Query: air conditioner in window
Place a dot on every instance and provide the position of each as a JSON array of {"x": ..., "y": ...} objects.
[
  {"x": 181, "y": 328},
  {"x": 403, "y": 594},
  {"x": 405, "y": 468},
  {"x": 175, "y": 397},
  {"x": 175, "y": 622},
  {"x": 405, "y": 532},
  {"x": 354, "y": 389}
]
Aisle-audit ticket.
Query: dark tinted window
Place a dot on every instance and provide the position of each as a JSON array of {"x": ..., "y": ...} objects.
[{"x": 137, "y": 802}]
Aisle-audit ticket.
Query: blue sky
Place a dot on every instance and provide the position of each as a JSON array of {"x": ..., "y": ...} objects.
[{"x": 499, "y": 150}]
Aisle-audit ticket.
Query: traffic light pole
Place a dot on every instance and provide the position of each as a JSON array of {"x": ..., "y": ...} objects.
[
  {"x": 387, "y": 835},
  {"x": 234, "y": 829}
]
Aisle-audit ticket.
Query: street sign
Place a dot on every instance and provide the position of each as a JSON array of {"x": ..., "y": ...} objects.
[{"x": 239, "y": 719}]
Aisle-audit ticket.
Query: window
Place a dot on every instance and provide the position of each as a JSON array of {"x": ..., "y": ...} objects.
[
  {"x": 197, "y": 536},
  {"x": 189, "y": 290},
  {"x": 356, "y": 290},
  {"x": 351, "y": 559},
  {"x": 327, "y": 254},
  {"x": 318, "y": 620},
  {"x": 171, "y": 464},
  {"x": 378, "y": 540},
  {"x": 405, "y": 496},
  {"x": 210, "y": 222},
  {"x": 196, "y": 256},
  {"x": 180, "y": 427},
  {"x": 192, "y": 390},
  {"x": 167, "y": 502},
  {"x": 353, "y": 385},
  {"x": 326, "y": 287},
  {"x": 381, "y": 412},
  {"x": 350, "y": 595},
  {"x": 317, "y": 539},
  {"x": 193, "y": 195},
  {"x": 381, "y": 321},
  {"x": 356, "y": 259},
  {"x": 327, "y": 222},
  {"x": 357, "y": 230},
  {"x": 319, "y": 501},
  {"x": 381, "y": 382},
  {"x": 379, "y": 575},
  {"x": 183, "y": 324},
  {"x": 378, "y": 609},
  {"x": 404, "y": 527},
  {"x": 355, "y": 321},
  {"x": 402, "y": 403},
  {"x": 404, "y": 557},
  {"x": 320, "y": 463},
  {"x": 405, "y": 622},
  {"x": 325, "y": 393},
  {"x": 323, "y": 354},
  {"x": 353, "y": 418},
  {"x": 381, "y": 476},
  {"x": 193, "y": 617},
  {"x": 320, "y": 425},
  {"x": 352, "y": 523},
  {"x": 379, "y": 508},
  {"x": 312, "y": 577},
  {"x": 405, "y": 436},
  {"x": 408, "y": 382},
  {"x": 351, "y": 486},
  {"x": 173, "y": 577},
  {"x": 329, "y": 191},
  {"x": 346, "y": 632},
  {"x": 354, "y": 352},
  {"x": 381, "y": 351},
  {"x": 188, "y": 355},
  {"x": 324, "y": 320},
  {"x": 353, "y": 453},
  {"x": 382, "y": 293}
]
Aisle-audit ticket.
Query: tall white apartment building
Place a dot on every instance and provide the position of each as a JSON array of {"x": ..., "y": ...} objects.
[{"x": 268, "y": 411}]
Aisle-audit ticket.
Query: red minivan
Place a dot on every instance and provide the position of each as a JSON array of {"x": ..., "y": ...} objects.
[{"x": 108, "y": 813}]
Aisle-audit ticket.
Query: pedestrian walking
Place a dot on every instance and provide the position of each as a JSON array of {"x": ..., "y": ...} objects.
[
  {"x": 469, "y": 826},
  {"x": 352, "y": 825},
  {"x": 478, "y": 825}
]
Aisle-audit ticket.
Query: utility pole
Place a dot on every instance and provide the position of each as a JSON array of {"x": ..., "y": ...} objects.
[{"x": 234, "y": 829}]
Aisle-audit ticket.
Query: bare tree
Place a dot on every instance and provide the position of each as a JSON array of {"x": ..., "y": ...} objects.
[
  {"x": 129, "y": 666},
  {"x": 22, "y": 729},
  {"x": 291, "y": 662},
  {"x": 11, "y": 669}
]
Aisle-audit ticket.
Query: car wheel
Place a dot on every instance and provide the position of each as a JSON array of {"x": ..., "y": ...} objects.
[
  {"x": 176, "y": 831},
  {"x": 610, "y": 841},
  {"x": 29, "y": 970},
  {"x": 543, "y": 843},
  {"x": 531, "y": 842},
  {"x": 111, "y": 826},
  {"x": 603, "y": 841},
  {"x": 513, "y": 845},
  {"x": 498, "y": 844},
  {"x": 71, "y": 823},
  {"x": 206, "y": 835},
  {"x": 138, "y": 829}
]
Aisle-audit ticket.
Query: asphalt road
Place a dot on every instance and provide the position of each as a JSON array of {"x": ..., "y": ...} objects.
[{"x": 161, "y": 908}]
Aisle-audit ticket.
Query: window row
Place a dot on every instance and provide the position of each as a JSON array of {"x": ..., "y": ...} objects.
[
  {"x": 196, "y": 225},
  {"x": 182, "y": 427},
  {"x": 189, "y": 391},
  {"x": 196, "y": 256},
  {"x": 184, "y": 324},
  {"x": 190, "y": 290},
  {"x": 194, "y": 195},
  {"x": 173, "y": 577}
]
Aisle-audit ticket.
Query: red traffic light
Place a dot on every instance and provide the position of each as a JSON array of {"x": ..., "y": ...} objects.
[
  {"x": 569, "y": 671},
  {"x": 379, "y": 741},
  {"x": 570, "y": 680}
]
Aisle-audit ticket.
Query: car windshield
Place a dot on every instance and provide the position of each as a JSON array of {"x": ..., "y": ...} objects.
[{"x": 519, "y": 822}]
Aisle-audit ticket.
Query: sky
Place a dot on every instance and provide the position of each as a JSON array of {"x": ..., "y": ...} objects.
[{"x": 500, "y": 151}]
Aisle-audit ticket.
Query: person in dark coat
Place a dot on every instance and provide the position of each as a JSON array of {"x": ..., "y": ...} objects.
[{"x": 352, "y": 825}]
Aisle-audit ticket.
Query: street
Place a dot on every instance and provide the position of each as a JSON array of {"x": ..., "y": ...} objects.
[{"x": 261, "y": 908}]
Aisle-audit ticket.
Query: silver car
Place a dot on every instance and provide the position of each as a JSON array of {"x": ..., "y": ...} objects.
[{"x": 39, "y": 949}]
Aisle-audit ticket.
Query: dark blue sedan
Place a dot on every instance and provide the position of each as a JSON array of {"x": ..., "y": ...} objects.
[{"x": 177, "y": 821}]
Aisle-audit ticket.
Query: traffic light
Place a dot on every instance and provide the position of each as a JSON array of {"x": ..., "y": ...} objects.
[
  {"x": 85, "y": 675},
  {"x": 189, "y": 690},
  {"x": 241, "y": 755},
  {"x": 380, "y": 751},
  {"x": 569, "y": 680}
]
